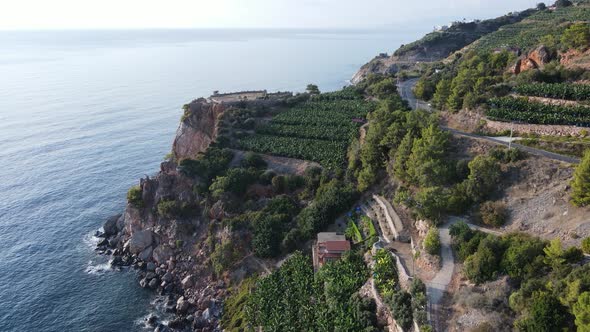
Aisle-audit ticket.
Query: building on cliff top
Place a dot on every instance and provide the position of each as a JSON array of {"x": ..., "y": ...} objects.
[{"x": 329, "y": 247}]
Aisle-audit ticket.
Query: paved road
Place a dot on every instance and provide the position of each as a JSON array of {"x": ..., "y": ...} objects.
[
  {"x": 436, "y": 287},
  {"x": 537, "y": 152},
  {"x": 405, "y": 91}
]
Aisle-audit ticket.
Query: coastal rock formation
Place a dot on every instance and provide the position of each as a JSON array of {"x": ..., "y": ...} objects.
[
  {"x": 197, "y": 129},
  {"x": 536, "y": 59}
]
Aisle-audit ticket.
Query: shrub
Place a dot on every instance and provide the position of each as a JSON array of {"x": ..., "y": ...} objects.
[
  {"x": 134, "y": 196},
  {"x": 586, "y": 245},
  {"x": 507, "y": 155},
  {"x": 483, "y": 177},
  {"x": 401, "y": 306},
  {"x": 432, "y": 241},
  {"x": 254, "y": 160},
  {"x": 581, "y": 182},
  {"x": 576, "y": 36},
  {"x": 167, "y": 208},
  {"x": 493, "y": 213}
]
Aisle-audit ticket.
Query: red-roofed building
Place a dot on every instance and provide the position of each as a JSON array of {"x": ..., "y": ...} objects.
[{"x": 329, "y": 247}]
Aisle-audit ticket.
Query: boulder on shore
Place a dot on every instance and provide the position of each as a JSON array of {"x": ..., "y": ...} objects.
[
  {"x": 139, "y": 241},
  {"x": 110, "y": 226}
]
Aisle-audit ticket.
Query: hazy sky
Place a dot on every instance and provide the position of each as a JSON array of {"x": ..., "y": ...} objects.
[{"x": 110, "y": 14}]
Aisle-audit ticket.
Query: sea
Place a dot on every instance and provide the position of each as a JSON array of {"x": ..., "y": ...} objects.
[{"x": 85, "y": 114}]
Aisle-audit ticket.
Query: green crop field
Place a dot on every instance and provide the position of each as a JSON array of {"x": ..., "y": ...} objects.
[
  {"x": 523, "y": 110},
  {"x": 579, "y": 92},
  {"x": 528, "y": 33},
  {"x": 319, "y": 130}
]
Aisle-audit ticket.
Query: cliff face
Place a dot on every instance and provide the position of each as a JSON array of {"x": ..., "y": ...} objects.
[{"x": 197, "y": 129}]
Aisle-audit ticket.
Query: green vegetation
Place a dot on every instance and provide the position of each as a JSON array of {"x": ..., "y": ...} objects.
[
  {"x": 467, "y": 81},
  {"x": 235, "y": 181},
  {"x": 459, "y": 35},
  {"x": 233, "y": 318},
  {"x": 353, "y": 232},
  {"x": 521, "y": 109},
  {"x": 547, "y": 278},
  {"x": 576, "y": 36},
  {"x": 207, "y": 165},
  {"x": 432, "y": 241},
  {"x": 385, "y": 273},
  {"x": 294, "y": 299},
  {"x": 566, "y": 91},
  {"x": 328, "y": 153},
  {"x": 225, "y": 255},
  {"x": 312, "y": 89},
  {"x": 586, "y": 245},
  {"x": 581, "y": 182},
  {"x": 170, "y": 208},
  {"x": 319, "y": 129},
  {"x": 134, "y": 196},
  {"x": 331, "y": 199},
  {"x": 493, "y": 214},
  {"x": 529, "y": 33}
]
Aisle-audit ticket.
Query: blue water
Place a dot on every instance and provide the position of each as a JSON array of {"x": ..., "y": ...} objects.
[{"x": 84, "y": 115}]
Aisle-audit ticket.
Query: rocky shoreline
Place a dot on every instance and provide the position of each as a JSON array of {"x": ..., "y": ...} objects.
[{"x": 195, "y": 308}]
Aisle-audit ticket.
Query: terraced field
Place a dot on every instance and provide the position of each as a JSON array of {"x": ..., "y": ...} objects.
[
  {"x": 319, "y": 130},
  {"x": 527, "y": 34},
  {"x": 523, "y": 110}
]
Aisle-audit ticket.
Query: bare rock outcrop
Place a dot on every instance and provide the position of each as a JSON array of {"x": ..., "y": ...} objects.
[
  {"x": 197, "y": 129},
  {"x": 537, "y": 59}
]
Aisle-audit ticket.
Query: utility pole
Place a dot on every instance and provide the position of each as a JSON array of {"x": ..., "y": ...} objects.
[{"x": 510, "y": 140}]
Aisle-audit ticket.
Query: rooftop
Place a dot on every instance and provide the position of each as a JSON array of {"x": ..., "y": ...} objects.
[{"x": 325, "y": 237}]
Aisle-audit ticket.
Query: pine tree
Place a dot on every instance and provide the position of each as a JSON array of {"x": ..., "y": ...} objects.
[{"x": 581, "y": 182}]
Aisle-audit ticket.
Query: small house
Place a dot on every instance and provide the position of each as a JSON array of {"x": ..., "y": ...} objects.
[{"x": 329, "y": 247}]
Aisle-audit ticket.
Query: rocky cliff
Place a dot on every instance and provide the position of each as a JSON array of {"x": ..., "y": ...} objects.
[
  {"x": 163, "y": 232},
  {"x": 197, "y": 129}
]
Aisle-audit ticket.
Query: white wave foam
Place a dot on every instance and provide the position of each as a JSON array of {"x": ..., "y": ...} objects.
[{"x": 98, "y": 269}]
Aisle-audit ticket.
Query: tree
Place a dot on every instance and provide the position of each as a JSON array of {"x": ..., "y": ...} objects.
[
  {"x": 524, "y": 256},
  {"x": 401, "y": 306},
  {"x": 235, "y": 181},
  {"x": 254, "y": 160},
  {"x": 554, "y": 254},
  {"x": 563, "y": 3},
  {"x": 582, "y": 312},
  {"x": 431, "y": 203},
  {"x": 484, "y": 175},
  {"x": 427, "y": 165},
  {"x": 268, "y": 234},
  {"x": 545, "y": 314},
  {"x": 312, "y": 89},
  {"x": 483, "y": 265},
  {"x": 383, "y": 89},
  {"x": 443, "y": 91},
  {"x": 432, "y": 241},
  {"x": 541, "y": 6},
  {"x": 402, "y": 154},
  {"x": 581, "y": 182},
  {"x": 576, "y": 36}
]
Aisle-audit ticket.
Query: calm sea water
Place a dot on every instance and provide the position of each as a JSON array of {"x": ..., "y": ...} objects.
[{"x": 84, "y": 115}]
